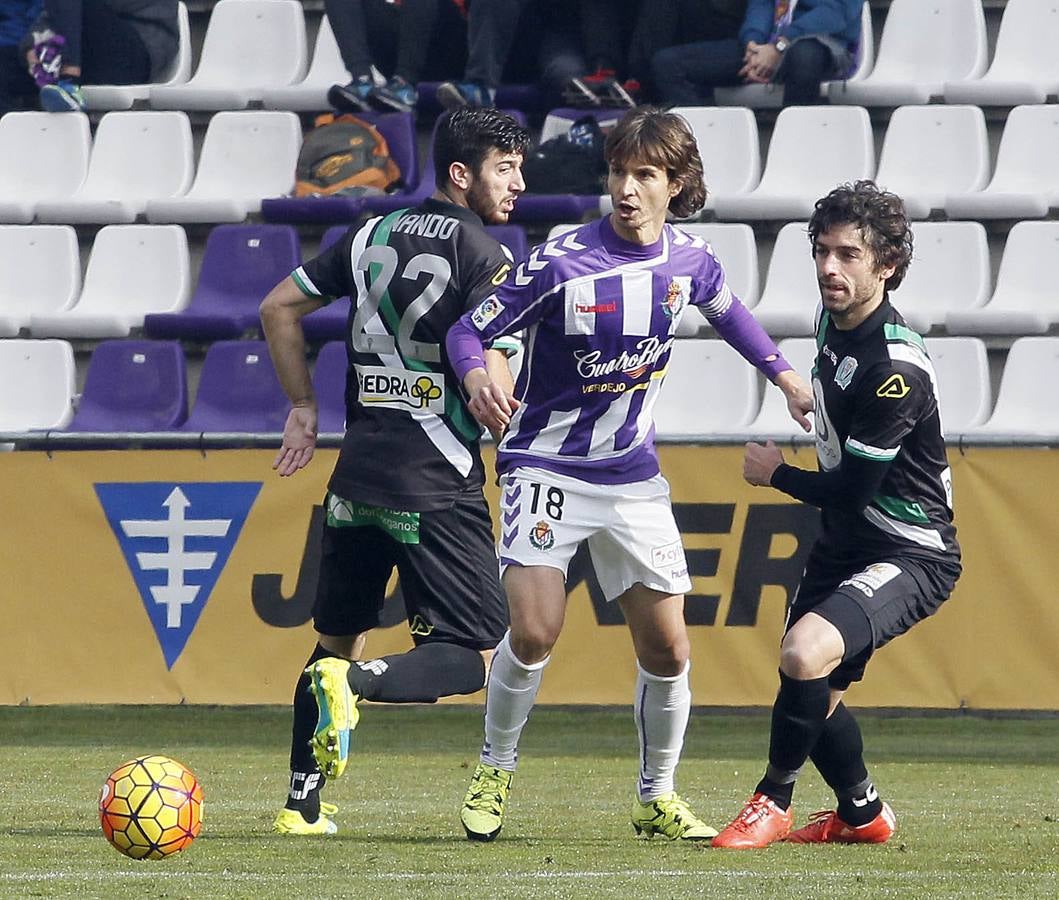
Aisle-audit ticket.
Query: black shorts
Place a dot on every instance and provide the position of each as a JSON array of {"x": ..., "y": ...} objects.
[
  {"x": 450, "y": 576},
  {"x": 871, "y": 604}
]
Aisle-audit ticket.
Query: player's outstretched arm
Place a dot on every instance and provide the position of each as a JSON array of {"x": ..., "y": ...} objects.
[{"x": 281, "y": 314}]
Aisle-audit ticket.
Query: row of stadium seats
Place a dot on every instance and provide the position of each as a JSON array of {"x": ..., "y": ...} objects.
[
  {"x": 141, "y": 164},
  {"x": 255, "y": 52},
  {"x": 136, "y": 386},
  {"x": 139, "y": 276}
]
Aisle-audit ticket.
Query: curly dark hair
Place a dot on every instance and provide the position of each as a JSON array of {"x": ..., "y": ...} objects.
[
  {"x": 880, "y": 216},
  {"x": 662, "y": 139},
  {"x": 468, "y": 133}
]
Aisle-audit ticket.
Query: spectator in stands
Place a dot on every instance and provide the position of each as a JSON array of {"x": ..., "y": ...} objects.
[
  {"x": 77, "y": 42},
  {"x": 548, "y": 51},
  {"x": 411, "y": 39},
  {"x": 17, "y": 90},
  {"x": 798, "y": 45},
  {"x": 663, "y": 23},
  {"x": 606, "y": 29}
]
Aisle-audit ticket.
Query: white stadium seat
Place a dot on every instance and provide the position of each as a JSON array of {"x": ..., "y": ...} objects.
[
  {"x": 924, "y": 44},
  {"x": 325, "y": 70},
  {"x": 133, "y": 270},
  {"x": 770, "y": 96},
  {"x": 709, "y": 389},
  {"x": 42, "y": 156},
  {"x": 950, "y": 270},
  {"x": 774, "y": 419},
  {"x": 246, "y": 157},
  {"x": 124, "y": 96},
  {"x": 933, "y": 152},
  {"x": 1025, "y": 183},
  {"x": 728, "y": 143},
  {"x": 813, "y": 149},
  {"x": 791, "y": 295},
  {"x": 136, "y": 157},
  {"x": 250, "y": 46},
  {"x": 37, "y": 385},
  {"x": 1025, "y": 405},
  {"x": 1025, "y": 300},
  {"x": 735, "y": 247},
  {"x": 962, "y": 369},
  {"x": 1020, "y": 72},
  {"x": 42, "y": 273}
]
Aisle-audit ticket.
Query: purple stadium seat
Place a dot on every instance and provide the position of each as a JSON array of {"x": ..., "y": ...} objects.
[
  {"x": 400, "y": 133},
  {"x": 240, "y": 264},
  {"x": 513, "y": 237},
  {"x": 134, "y": 386},
  {"x": 329, "y": 322},
  {"x": 238, "y": 391},
  {"x": 329, "y": 384}
]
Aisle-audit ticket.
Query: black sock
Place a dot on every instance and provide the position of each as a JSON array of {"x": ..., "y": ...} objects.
[
  {"x": 306, "y": 778},
  {"x": 798, "y": 715},
  {"x": 421, "y": 675},
  {"x": 839, "y": 756}
]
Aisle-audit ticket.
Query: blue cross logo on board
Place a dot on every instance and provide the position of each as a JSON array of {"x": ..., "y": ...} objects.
[{"x": 176, "y": 539}]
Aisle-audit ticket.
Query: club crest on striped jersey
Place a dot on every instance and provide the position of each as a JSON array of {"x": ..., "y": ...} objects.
[
  {"x": 676, "y": 298},
  {"x": 486, "y": 311}
]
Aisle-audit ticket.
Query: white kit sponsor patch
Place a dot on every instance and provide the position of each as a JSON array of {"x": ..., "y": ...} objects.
[
  {"x": 669, "y": 555},
  {"x": 487, "y": 310},
  {"x": 873, "y": 578},
  {"x": 401, "y": 389}
]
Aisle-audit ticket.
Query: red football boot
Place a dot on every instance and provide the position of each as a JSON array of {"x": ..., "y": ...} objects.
[
  {"x": 760, "y": 823},
  {"x": 827, "y": 828}
]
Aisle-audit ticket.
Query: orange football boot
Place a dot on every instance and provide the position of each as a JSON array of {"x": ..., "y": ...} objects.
[
  {"x": 760, "y": 823},
  {"x": 827, "y": 828}
]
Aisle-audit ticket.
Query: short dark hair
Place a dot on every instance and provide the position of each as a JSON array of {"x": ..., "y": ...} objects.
[
  {"x": 881, "y": 218},
  {"x": 467, "y": 135},
  {"x": 662, "y": 139}
]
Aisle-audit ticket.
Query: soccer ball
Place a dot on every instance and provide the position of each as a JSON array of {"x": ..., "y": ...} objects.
[{"x": 150, "y": 807}]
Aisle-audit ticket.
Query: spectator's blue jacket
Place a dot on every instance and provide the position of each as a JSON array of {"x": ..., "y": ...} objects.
[
  {"x": 15, "y": 18},
  {"x": 840, "y": 18}
]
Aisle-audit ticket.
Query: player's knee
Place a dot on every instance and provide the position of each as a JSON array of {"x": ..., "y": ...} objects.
[
  {"x": 532, "y": 644},
  {"x": 666, "y": 659},
  {"x": 802, "y": 661}
]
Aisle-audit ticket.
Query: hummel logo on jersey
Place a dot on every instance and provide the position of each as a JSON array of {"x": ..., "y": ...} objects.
[
  {"x": 176, "y": 539},
  {"x": 894, "y": 387}
]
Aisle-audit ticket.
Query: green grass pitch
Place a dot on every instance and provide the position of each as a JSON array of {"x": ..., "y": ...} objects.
[{"x": 977, "y": 800}]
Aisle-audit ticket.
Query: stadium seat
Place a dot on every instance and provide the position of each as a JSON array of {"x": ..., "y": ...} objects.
[
  {"x": 250, "y": 46},
  {"x": 964, "y": 388},
  {"x": 728, "y": 143},
  {"x": 329, "y": 322},
  {"x": 37, "y": 385},
  {"x": 770, "y": 96},
  {"x": 240, "y": 265},
  {"x": 329, "y": 385},
  {"x": 932, "y": 152},
  {"x": 774, "y": 419},
  {"x": 246, "y": 157},
  {"x": 813, "y": 148},
  {"x": 133, "y": 270},
  {"x": 1025, "y": 182},
  {"x": 326, "y": 69},
  {"x": 101, "y": 97},
  {"x": 924, "y": 44},
  {"x": 950, "y": 270},
  {"x": 42, "y": 273},
  {"x": 512, "y": 238},
  {"x": 791, "y": 295},
  {"x": 133, "y": 386},
  {"x": 1020, "y": 72},
  {"x": 42, "y": 156},
  {"x": 1024, "y": 404},
  {"x": 1025, "y": 299},
  {"x": 399, "y": 129},
  {"x": 709, "y": 389},
  {"x": 136, "y": 157},
  {"x": 238, "y": 390}
]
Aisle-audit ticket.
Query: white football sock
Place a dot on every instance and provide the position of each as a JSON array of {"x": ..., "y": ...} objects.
[
  {"x": 510, "y": 694},
  {"x": 662, "y": 707}
]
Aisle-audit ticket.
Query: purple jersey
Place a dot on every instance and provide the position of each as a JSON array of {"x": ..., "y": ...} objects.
[{"x": 600, "y": 316}]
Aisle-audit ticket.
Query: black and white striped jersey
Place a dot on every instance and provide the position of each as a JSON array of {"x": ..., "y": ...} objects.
[{"x": 410, "y": 442}]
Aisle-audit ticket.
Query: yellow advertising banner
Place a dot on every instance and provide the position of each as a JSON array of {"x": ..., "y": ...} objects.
[{"x": 188, "y": 577}]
